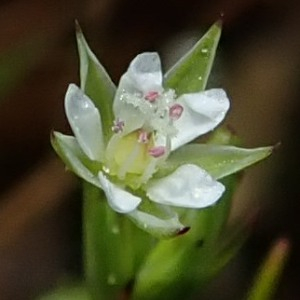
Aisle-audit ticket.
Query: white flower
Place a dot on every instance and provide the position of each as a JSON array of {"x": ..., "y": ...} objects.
[{"x": 150, "y": 122}]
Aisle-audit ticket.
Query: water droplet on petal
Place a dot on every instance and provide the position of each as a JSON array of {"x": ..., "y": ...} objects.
[{"x": 197, "y": 193}]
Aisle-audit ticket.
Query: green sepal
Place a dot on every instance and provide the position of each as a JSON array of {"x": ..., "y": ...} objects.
[
  {"x": 219, "y": 161},
  {"x": 96, "y": 83},
  {"x": 76, "y": 161},
  {"x": 191, "y": 72}
]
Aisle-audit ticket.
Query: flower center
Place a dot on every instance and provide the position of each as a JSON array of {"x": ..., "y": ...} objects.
[
  {"x": 137, "y": 153},
  {"x": 151, "y": 96},
  {"x": 158, "y": 110},
  {"x": 129, "y": 153}
]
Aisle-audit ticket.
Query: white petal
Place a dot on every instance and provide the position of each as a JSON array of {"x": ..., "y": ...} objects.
[
  {"x": 132, "y": 117},
  {"x": 189, "y": 186},
  {"x": 85, "y": 121},
  {"x": 161, "y": 228},
  {"x": 143, "y": 75},
  {"x": 119, "y": 199},
  {"x": 202, "y": 112}
]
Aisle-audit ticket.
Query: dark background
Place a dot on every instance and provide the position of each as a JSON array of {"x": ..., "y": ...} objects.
[{"x": 258, "y": 64}]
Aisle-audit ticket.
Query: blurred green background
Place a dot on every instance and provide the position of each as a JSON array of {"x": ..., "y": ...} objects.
[{"x": 258, "y": 64}]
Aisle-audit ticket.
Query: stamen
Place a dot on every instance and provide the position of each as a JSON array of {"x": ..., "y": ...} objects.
[
  {"x": 151, "y": 96},
  {"x": 118, "y": 126},
  {"x": 157, "y": 151},
  {"x": 143, "y": 137},
  {"x": 175, "y": 111}
]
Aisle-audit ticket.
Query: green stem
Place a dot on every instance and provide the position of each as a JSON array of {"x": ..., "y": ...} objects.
[
  {"x": 107, "y": 246},
  {"x": 265, "y": 284},
  {"x": 113, "y": 247},
  {"x": 95, "y": 247}
]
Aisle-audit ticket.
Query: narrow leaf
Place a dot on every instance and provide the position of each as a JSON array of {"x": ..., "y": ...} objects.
[
  {"x": 217, "y": 160},
  {"x": 267, "y": 279},
  {"x": 191, "y": 72},
  {"x": 95, "y": 82}
]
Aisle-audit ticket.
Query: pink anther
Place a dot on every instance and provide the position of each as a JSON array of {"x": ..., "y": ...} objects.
[
  {"x": 175, "y": 111},
  {"x": 151, "y": 96},
  {"x": 143, "y": 137},
  {"x": 157, "y": 151},
  {"x": 118, "y": 126}
]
